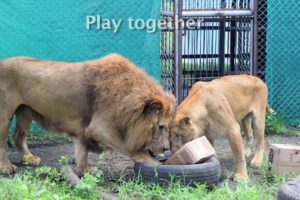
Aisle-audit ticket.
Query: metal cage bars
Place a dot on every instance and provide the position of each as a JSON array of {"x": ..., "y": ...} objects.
[{"x": 221, "y": 42}]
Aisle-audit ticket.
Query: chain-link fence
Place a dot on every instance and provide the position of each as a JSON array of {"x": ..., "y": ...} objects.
[
  {"x": 167, "y": 47},
  {"x": 258, "y": 37},
  {"x": 279, "y": 55}
]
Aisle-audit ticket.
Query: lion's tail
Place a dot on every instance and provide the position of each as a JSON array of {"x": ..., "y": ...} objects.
[{"x": 269, "y": 109}]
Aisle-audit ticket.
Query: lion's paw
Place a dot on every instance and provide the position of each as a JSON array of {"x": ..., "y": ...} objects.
[
  {"x": 240, "y": 176},
  {"x": 31, "y": 160},
  {"x": 94, "y": 171},
  {"x": 145, "y": 159},
  {"x": 8, "y": 168},
  {"x": 255, "y": 163},
  {"x": 150, "y": 161},
  {"x": 90, "y": 170}
]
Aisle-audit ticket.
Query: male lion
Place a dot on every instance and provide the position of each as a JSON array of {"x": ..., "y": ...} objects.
[
  {"x": 220, "y": 106},
  {"x": 102, "y": 103}
]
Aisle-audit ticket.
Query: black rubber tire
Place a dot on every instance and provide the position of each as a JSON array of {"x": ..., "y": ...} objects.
[
  {"x": 207, "y": 172},
  {"x": 290, "y": 190}
]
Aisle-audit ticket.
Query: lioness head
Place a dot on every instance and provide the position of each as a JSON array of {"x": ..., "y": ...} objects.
[{"x": 183, "y": 130}]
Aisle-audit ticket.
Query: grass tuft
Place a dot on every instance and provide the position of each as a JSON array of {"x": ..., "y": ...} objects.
[{"x": 47, "y": 183}]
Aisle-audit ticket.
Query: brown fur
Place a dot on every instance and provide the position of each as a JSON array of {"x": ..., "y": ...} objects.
[
  {"x": 222, "y": 106},
  {"x": 105, "y": 103}
]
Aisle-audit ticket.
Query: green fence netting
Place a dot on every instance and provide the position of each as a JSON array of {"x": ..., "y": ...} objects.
[
  {"x": 57, "y": 30},
  {"x": 283, "y": 58}
]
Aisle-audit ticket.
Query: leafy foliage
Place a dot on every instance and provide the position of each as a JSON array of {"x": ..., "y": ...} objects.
[{"x": 275, "y": 125}]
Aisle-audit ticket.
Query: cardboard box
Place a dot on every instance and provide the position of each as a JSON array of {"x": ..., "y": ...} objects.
[
  {"x": 192, "y": 152},
  {"x": 284, "y": 158}
]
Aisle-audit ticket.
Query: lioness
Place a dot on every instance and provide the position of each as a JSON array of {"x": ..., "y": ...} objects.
[
  {"x": 102, "y": 103},
  {"x": 220, "y": 106}
]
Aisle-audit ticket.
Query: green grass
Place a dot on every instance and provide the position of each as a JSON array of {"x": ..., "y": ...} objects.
[
  {"x": 275, "y": 125},
  {"x": 48, "y": 183},
  {"x": 225, "y": 191}
]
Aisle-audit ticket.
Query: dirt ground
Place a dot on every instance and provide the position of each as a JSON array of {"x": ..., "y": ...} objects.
[{"x": 116, "y": 166}]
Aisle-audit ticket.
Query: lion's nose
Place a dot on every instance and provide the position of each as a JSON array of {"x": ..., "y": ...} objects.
[{"x": 166, "y": 145}]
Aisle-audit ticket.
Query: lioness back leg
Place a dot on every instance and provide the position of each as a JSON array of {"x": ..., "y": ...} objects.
[
  {"x": 247, "y": 128},
  {"x": 226, "y": 122},
  {"x": 259, "y": 130},
  {"x": 23, "y": 125}
]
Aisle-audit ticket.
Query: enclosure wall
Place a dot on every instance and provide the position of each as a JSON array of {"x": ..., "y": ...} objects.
[
  {"x": 57, "y": 30},
  {"x": 283, "y": 58}
]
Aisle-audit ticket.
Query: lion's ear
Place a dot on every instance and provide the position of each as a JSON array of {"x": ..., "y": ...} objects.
[
  {"x": 186, "y": 121},
  {"x": 152, "y": 107}
]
